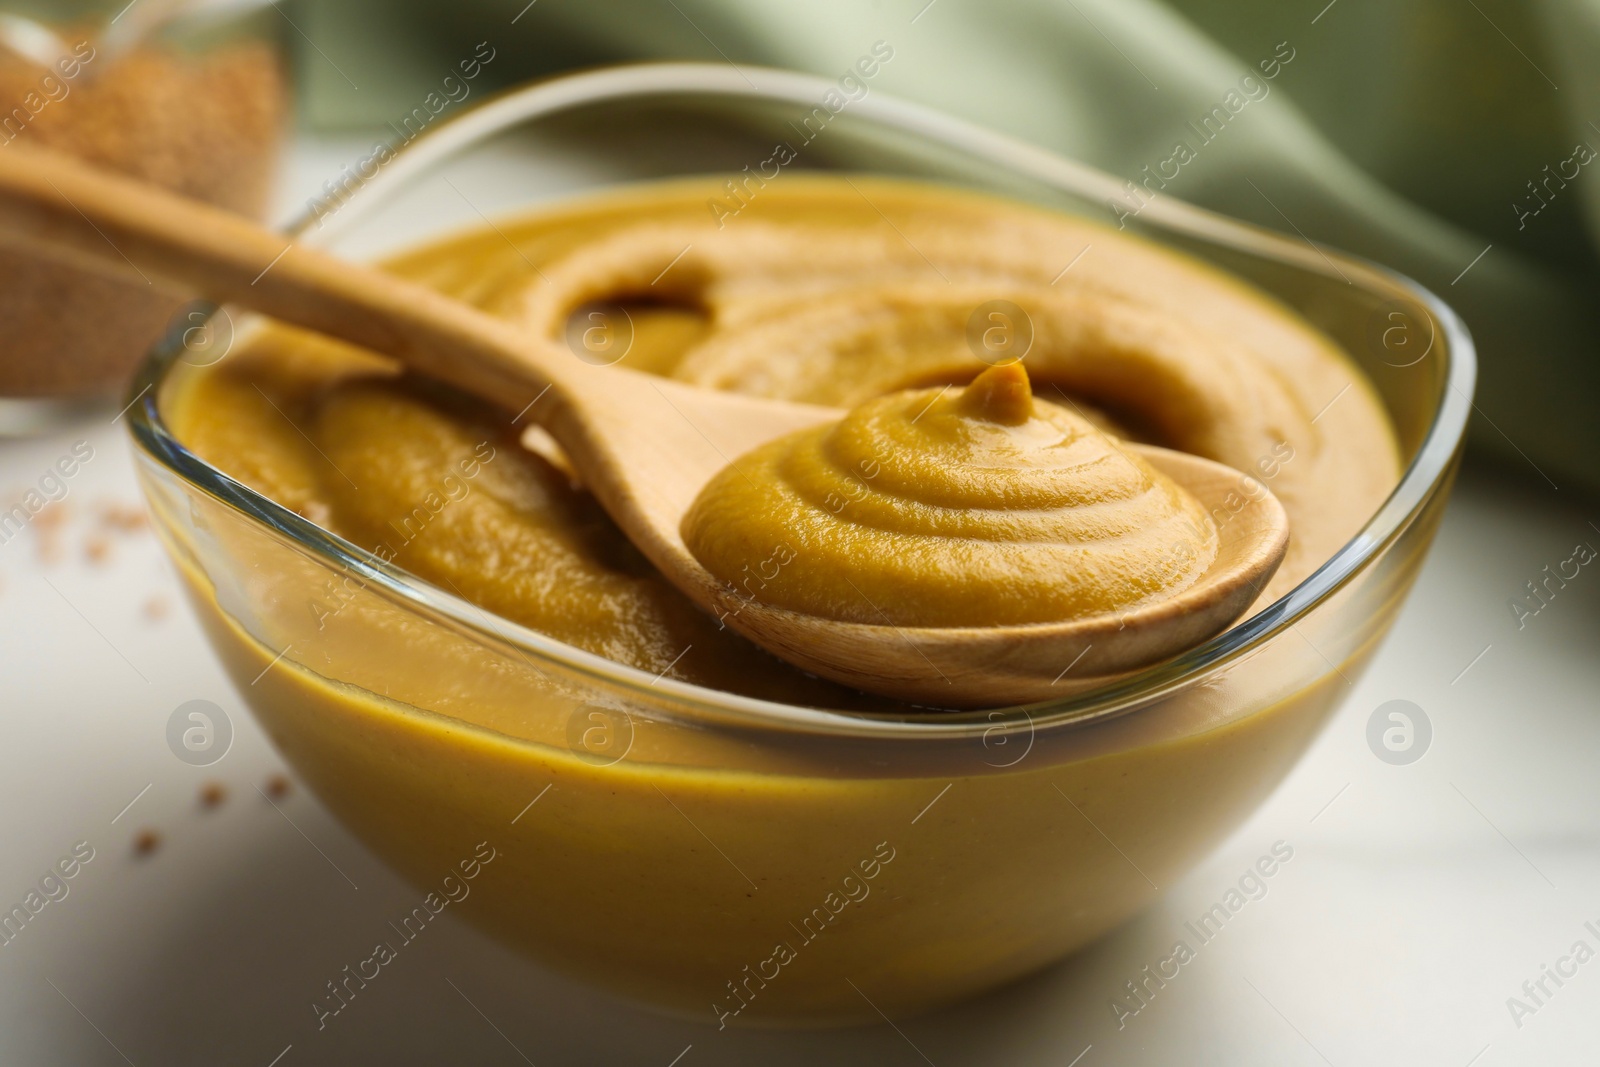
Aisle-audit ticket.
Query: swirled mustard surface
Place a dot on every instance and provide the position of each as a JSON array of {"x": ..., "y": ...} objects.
[
  {"x": 821, "y": 290},
  {"x": 952, "y": 507}
]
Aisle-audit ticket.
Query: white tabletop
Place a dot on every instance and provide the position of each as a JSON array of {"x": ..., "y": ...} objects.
[{"x": 1419, "y": 898}]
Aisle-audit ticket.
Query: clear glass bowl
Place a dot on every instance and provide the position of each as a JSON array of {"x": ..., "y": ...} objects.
[{"x": 752, "y": 862}]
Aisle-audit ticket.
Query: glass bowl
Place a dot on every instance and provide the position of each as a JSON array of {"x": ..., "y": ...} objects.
[{"x": 738, "y": 860}]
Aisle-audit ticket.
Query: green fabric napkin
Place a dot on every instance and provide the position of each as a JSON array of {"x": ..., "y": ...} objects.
[{"x": 1449, "y": 139}]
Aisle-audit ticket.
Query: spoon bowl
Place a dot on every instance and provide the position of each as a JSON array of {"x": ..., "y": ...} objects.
[
  {"x": 955, "y": 667},
  {"x": 972, "y": 667}
]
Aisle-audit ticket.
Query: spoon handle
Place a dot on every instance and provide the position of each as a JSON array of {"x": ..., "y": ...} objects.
[{"x": 141, "y": 230}]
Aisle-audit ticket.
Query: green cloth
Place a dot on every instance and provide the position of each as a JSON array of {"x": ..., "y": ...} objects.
[{"x": 1406, "y": 131}]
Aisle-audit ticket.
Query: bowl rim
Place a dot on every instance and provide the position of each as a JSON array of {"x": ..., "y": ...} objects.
[{"x": 1425, "y": 475}]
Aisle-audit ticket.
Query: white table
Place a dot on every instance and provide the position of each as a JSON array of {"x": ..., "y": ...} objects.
[{"x": 1418, "y": 900}]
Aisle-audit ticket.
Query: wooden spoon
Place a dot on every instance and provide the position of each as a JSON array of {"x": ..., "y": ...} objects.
[{"x": 643, "y": 445}]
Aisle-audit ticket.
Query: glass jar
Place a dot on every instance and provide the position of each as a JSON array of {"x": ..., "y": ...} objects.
[{"x": 194, "y": 102}]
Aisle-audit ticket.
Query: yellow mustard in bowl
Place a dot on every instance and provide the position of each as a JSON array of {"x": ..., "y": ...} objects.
[{"x": 676, "y": 843}]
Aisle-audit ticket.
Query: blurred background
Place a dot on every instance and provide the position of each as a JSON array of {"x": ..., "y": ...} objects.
[{"x": 1449, "y": 139}]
